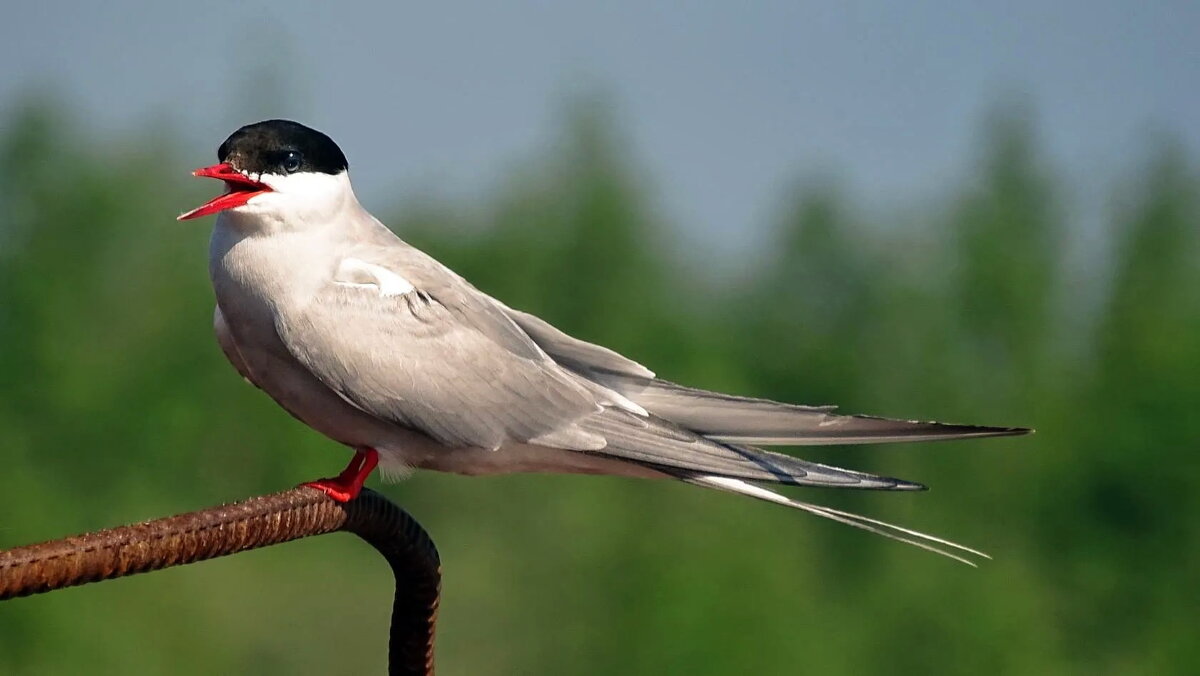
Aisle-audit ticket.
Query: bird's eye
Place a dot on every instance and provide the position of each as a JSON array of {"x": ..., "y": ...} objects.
[{"x": 291, "y": 161}]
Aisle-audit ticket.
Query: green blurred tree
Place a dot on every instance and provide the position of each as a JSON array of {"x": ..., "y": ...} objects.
[
  {"x": 1121, "y": 490},
  {"x": 1004, "y": 275},
  {"x": 814, "y": 300},
  {"x": 116, "y": 405}
]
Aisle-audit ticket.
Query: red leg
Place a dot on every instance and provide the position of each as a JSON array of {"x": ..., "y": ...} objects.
[{"x": 346, "y": 486}]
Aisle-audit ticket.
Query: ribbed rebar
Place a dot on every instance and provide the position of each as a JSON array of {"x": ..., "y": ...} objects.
[{"x": 250, "y": 524}]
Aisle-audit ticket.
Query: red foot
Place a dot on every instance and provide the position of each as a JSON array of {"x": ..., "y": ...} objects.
[{"x": 346, "y": 486}]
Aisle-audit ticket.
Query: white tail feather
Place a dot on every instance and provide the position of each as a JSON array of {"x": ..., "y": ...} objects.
[{"x": 887, "y": 530}]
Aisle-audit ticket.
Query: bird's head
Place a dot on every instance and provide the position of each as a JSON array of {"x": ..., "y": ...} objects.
[{"x": 278, "y": 170}]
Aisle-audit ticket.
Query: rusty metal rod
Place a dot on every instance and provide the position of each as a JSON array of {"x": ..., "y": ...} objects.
[{"x": 250, "y": 524}]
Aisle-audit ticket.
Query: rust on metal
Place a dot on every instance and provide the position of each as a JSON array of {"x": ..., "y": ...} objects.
[{"x": 250, "y": 524}]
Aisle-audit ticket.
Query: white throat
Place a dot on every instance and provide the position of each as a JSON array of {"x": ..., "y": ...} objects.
[{"x": 297, "y": 202}]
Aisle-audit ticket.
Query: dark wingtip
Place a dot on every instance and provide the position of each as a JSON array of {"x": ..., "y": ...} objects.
[
  {"x": 957, "y": 431},
  {"x": 1012, "y": 431}
]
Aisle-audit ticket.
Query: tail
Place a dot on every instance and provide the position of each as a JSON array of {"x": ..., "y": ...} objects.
[
  {"x": 708, "y": 438},
  {"x": 666, "y": 447},
  {"x": 924, "y": 541},
  {"x": 653, "y": 442}
]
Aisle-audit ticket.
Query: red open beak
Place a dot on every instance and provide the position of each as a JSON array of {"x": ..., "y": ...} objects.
[{"x": 239, "y": 188}]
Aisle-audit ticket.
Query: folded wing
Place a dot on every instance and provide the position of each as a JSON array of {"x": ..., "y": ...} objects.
[
  {"x": 731, "y": 418},
  {"x": 431, "y": 359}
]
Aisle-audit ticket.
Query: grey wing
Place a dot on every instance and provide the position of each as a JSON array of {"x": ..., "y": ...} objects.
[
  {"x": 747, "y": 420},
  {"x": 587, "y": 359},
  {"x": 731, "y": 418},
  {"x": 434, "y": 359}
]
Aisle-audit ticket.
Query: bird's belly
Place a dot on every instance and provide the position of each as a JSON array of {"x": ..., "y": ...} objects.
[
  {"x": 300, "y": 393},
  {"x": 519, "y": 458}
]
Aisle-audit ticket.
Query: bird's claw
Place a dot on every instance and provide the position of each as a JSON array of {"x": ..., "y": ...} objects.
[{"x": 347, "y": 485}]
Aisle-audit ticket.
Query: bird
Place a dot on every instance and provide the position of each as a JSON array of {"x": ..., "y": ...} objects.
[{"x": 381, "y": 348}]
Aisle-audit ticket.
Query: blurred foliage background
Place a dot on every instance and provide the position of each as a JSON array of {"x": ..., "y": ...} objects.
[{"x": 116, "y": 406}]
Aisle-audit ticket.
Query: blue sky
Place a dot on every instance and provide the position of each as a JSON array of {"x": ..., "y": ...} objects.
[{"x": 726, "y": 104}]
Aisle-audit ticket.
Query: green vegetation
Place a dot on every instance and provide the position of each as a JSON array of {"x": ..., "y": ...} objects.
[{"x": 116, "y": 405}]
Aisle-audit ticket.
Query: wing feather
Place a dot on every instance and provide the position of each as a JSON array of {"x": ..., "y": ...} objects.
[
  {"x": 656, "y": 442},
  {"x": 439, "y": 359},
  {"x": 732, "y": 418}
]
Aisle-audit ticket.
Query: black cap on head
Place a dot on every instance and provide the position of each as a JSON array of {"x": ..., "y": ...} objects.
[{"x": 282, "y": 147}]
